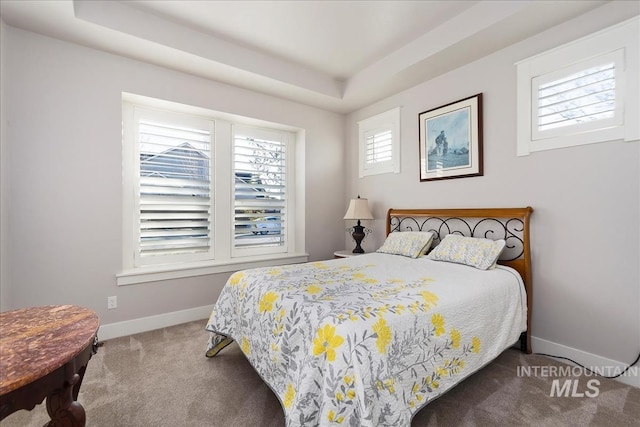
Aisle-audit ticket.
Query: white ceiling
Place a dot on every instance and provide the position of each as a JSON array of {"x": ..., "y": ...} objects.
[{"x": 337, "y": 55}]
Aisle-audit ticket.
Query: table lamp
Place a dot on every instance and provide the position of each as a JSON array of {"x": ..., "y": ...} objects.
[{"x": 358, "y": 209}]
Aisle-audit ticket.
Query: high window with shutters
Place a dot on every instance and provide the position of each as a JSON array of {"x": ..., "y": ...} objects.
[
  {"x": 380, "y": 143},
  {"x": 580, "y": 93},
  {"x": 204, "y": 194}
]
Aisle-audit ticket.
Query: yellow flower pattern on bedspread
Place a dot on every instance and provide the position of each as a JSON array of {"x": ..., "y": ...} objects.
[{"x": 344, "y": 344}]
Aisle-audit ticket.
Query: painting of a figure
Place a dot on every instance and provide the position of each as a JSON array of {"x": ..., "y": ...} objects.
[
  {"x": 448, "y": 139},
  {"x": 451, "y": 140}
]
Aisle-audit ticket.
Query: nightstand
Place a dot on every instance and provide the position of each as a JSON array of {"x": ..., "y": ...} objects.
[{"x": 345, "y": 254}]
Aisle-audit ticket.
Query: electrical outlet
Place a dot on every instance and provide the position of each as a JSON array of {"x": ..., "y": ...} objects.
[{"x": 112, "y": 302}]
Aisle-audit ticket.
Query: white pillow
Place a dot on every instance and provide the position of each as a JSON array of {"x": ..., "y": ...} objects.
[
  {"x": 407, "y": 243},
  {"x": 476, "y": 252}
]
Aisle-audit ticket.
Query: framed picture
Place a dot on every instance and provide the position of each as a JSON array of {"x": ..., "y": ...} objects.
[{"x": 451, "y": 140}]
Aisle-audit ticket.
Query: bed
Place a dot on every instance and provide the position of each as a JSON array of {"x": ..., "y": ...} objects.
[{"x": 370, "y": 340}]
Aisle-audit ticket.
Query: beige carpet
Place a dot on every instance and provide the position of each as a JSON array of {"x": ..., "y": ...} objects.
[{"x": 162, "y": 378}]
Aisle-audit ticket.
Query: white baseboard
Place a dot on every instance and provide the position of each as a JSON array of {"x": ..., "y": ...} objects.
[
  {"x": 589, "y": 360},
  {"x": 144, "y": 324}
]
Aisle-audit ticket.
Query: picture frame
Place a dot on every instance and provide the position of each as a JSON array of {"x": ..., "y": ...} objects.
[{"x": 450, "y": 142}]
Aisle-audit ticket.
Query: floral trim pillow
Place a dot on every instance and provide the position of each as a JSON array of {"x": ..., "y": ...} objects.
[
  {"x": 476, "y": 252},
  {"x": 407, "y": 243}
]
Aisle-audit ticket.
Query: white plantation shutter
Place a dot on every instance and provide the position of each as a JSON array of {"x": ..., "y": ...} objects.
[
  {"x": 378, "y": 147},
  {"x": 260, "y": 191},
  {"x": 579, "y": 98},
  {"x": 380, "y": 143},
  {"x": 174, "y": 188}
]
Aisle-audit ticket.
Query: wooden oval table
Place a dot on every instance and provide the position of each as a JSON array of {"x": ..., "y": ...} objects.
[{"x": 44, "y": 352}]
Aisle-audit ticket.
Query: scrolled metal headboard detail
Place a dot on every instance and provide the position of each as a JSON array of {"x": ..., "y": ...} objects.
[{"x": 509, "y": 229}]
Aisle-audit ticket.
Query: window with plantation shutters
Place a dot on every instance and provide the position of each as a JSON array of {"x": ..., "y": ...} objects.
[
  {"x": 206, "y": 192},
  {"x": 578, "y": 98},
  {"x": 380, "y": 143},
  {"x": 260, "y": 190},
  {"x": 173, "y": 194},
  {"x": 581, "y": 92}
]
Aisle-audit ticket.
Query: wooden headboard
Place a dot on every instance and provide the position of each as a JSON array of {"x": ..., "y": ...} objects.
[{"x": 510, "y": 224}]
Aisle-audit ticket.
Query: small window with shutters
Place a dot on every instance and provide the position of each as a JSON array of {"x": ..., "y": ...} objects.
[
  {"x": 380, "y": 143},
  {"x": 580, "y": 93},
  {"x": 578, "y": 98}
]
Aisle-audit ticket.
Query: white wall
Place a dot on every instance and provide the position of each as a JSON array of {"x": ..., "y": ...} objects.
[
  {"x": 61, "y": 125},
  {"x": 586, "y": 199},
  {"x": 4, "y": 188}
]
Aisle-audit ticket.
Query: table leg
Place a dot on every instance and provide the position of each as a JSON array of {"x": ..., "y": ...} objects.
[
  {"x": 76, "y": 386},
  {"x": 63, "y": 409}
]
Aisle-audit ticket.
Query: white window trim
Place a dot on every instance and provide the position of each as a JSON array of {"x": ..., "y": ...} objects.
[
  {"x": 389, "y": 120},
  {"x": 224, "y": 261},
  {"x": 618, "y": 40}
]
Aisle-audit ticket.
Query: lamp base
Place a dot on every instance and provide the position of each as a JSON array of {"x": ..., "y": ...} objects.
[{"x": 358, "y": 235}]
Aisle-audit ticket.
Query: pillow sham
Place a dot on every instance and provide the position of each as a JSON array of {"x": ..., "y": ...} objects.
[
  {"x": 473, "y": 251},
  {"x": 407, "y": 243}
]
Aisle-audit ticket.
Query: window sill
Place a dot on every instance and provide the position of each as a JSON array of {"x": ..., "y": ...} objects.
[{"x": 168, "y": 272}]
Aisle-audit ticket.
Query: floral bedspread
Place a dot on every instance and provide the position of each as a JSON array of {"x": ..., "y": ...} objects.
[{"x": 367, "y": 340}]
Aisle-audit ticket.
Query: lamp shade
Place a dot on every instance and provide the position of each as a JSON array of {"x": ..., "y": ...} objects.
[{"x": 358, "y": 209}]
